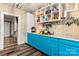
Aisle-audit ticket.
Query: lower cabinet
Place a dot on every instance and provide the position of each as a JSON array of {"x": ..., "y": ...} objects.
[
  {"x": 30, "y": 38},
  {"x": 53, "y": 46},
  {"x": 67, "y": 50},
  {"x": 45, "y": 44},
  {"x": 33, "y": 40},
  {"x": 36, "y": 41},
  {"x": 42, "y": 43}
]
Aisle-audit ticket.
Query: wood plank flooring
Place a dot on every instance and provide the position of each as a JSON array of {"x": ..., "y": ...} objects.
[
  {"x": 12, "y": 49},
  {"x": 21, "y": 50}
]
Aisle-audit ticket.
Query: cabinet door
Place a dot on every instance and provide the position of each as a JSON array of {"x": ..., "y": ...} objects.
[
  {"x": 37, "y": 39},
  {"x": 40, "y": 42},
  {"x": 45, "y": 44},
  {"x": 34, "y": 40},
  {"x": 30, "y": 38},
  {"x": 54, "y": 47},
  {"x": 69, "y": 42},
  {"x": 67, "y": 50}
]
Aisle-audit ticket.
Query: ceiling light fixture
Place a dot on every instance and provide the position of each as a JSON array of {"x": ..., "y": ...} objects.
[{"x": 17, "y": 5}]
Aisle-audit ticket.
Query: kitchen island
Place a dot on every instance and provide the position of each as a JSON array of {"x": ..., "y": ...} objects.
[{"x": 54, "y": 45}]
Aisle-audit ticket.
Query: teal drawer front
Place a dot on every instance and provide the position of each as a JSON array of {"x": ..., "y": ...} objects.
[
  {"x": 30, "y": 39},
  {"x": 67, "y": 50},
  {"x": 44, "y": 44},
  {"x": 33, "y": 40},
  {"x": 69, "y": 42},
  {"x": 54, "y": 50},
  {"x": 54, "y": 47},
  {"x": 40, "y": 42},
  {"x": 37, "y": 41},
  {"x": 54, "y": 39}
]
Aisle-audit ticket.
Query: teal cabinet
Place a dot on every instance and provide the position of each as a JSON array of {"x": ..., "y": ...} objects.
[
  {"x": 54, "y": 47},
  {"x": 45, "y": 44},
  {"x": 36, "y": 41},
  {"x": 69, "y": 42},
  {"x": 40, "y": 42},
  {"x": 33, "y": 40},
  {"x": 30, "y": 38},
  {"x": 67, "y": 50}
]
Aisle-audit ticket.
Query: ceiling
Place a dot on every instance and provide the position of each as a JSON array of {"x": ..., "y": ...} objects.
[{"x": 29, "y": 7}]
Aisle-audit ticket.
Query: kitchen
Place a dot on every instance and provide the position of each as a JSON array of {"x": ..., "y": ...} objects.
[
  {"x": 47, "y": 29},
  {"x": 56, "y": 30}
]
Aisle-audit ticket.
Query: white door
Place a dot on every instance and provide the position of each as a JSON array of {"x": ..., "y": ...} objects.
[{"x": 6, "y": 29}]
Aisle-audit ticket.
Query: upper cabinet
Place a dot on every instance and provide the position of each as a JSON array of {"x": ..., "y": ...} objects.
[
  {"x": 55, "y": 11},
  {"x": 48, "y": 13},
  {"x": 70, "y": 6}
]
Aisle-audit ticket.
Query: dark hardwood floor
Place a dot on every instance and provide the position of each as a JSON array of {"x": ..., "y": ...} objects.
[
  {"x": 21, "y": 50},
  {"x": 12, "y": 49}
]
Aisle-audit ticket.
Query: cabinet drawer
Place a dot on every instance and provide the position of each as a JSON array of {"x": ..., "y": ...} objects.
[
  {"x": 54, "y": 39},
  {"x": 54, "y": 50},
  {"x": 29, "y": 37},
  {"x": 54, "y": 47},
  {"x": 69, "y": 42},
  {"x": 45, "y": 44},
  {"x": 67, "y": 50}
]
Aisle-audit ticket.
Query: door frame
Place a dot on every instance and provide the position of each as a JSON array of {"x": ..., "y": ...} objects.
[{"x": 2, "y": 28}]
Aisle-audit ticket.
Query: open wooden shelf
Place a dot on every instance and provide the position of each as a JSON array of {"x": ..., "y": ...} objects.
[{"x": 48, "y": 13}]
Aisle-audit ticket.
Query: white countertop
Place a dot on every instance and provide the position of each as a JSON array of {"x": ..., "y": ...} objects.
[
  {"x": 61, "y": 36},
  {"x": 68, "y": 38}
]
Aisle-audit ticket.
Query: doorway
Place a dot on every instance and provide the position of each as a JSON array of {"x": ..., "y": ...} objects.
[
  {"x": 7, "y": 29},
  {"x": 10, "y": 30}
]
